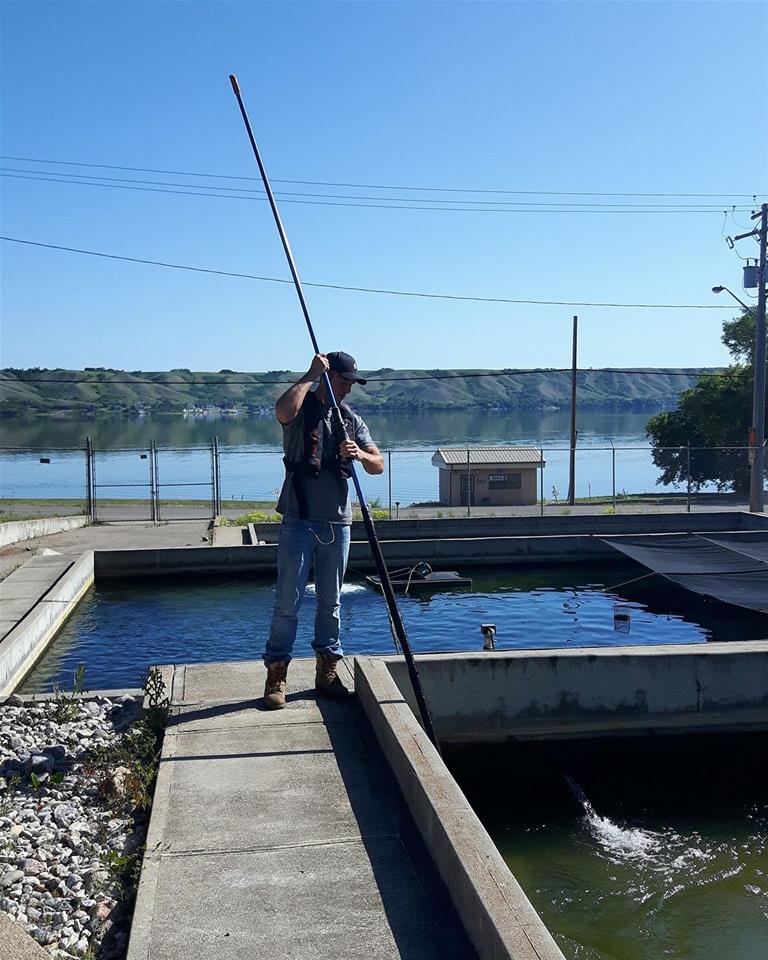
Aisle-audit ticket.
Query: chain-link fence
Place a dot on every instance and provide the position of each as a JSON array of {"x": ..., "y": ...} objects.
[
  {"x": 251, "y": 478},
  {"x": 47, "y": 478},
  {"x": 155, "y": 483},
  {"x": 120, "y": 485},
  {"x": 185, "y": 482}
]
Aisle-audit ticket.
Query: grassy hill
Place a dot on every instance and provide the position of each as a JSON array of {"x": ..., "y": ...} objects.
[{"x": 107, "y": 391}]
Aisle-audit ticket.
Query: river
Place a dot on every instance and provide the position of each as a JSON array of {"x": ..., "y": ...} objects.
[{"x": 251, "y": 466}]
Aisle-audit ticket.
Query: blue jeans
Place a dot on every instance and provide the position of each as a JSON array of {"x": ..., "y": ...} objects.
[{"x": 302, "y": 543}]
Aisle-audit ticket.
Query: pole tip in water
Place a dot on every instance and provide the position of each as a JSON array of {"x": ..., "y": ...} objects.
[{"x": 235, "y": 85}]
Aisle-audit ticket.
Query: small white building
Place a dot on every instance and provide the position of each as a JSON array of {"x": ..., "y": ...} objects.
[{"x": 488, "y": 476}]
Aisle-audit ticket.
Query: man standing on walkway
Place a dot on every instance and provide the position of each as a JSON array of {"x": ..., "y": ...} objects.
[{"x": 317, "y": 516}]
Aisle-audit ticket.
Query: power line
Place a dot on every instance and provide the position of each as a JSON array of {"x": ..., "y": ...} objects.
[
  {"x": 375, "y": 290},
  {"x": 370, "y": 205},
  {"x": 380, "y": 186},
  {"x": 438, "y": 375},
  {"x": 86, "y": 180}
]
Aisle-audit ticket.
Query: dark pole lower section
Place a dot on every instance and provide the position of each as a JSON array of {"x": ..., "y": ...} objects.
[
  {"x": 394, "y": 612},
  {"x": 756, "y": 495},
  {"x": 572, "y": 461},
  {"x": 386, "y": 584}
]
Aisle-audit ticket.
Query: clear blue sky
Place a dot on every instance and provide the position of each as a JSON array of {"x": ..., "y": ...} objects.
[{"x": 588, "y": 97}]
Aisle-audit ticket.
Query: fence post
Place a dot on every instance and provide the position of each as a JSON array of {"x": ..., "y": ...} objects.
[
  {"x": 151, "y": 458},
  {"x": 218, "y": 474},
  {"x": 389, "y": 480},
  {"x": 613, "y": 475},
  {"x": 213, "y": 479},
  {"x": 688, "y": 472},
  {"x": 469, "y": 486},
  {"x": 94, "y": 501},
  {"x": 541, "y": 483},
  {"x": 156, "y": 491},
  {"x": 88, "y": 480}
]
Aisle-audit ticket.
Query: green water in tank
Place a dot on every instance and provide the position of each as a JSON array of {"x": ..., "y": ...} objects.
[{"x": 634, "y": 849}]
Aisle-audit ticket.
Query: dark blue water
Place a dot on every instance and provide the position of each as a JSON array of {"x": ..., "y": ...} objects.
[{"x": 121, "y": 629}]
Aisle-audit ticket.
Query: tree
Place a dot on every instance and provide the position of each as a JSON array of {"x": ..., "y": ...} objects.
[
  {"x": 739, "y": 337},
  {"x": 715, "y": 414}
]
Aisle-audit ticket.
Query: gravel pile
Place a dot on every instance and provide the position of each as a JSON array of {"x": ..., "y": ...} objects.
[{"x": 65, "y": 826}]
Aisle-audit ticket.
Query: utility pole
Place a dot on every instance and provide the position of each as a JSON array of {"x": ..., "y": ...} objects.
[
  {"x": 758, "y": 400},
  {"x": 572, "y": 470}
]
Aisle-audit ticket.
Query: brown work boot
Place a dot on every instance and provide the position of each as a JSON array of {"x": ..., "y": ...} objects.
[
  {"x": 327, "y": 681},
  {"x": 274, "y": 688}
]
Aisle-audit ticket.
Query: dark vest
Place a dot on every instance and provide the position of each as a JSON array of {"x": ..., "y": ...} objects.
[{"x": 321, "y": 449}]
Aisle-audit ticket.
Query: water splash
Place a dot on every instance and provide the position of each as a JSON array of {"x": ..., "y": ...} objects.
[
  {"x": 346, "y": 588},
  {"x": 622, "y": 842}
]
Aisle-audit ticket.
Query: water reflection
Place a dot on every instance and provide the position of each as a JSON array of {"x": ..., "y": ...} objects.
[{"x": 417, "y": 429}]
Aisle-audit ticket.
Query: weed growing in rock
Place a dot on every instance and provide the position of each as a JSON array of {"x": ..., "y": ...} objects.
[
  {"x": 125, "y": 770},
  {"x": 46, "y": 780},
  {"x": 124, "y": 870},
  {"x": 65, "y": 702},
  {"x": 157, "y": 705}
]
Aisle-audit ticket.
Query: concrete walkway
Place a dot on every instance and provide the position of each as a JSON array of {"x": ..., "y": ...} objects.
[
  {"x": 113, "y": 536},
  {"x": 282, "y": 834},
  {"x": 24, "y": 588}
]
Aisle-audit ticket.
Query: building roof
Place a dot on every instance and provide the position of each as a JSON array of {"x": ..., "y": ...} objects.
[{"x": 487, "y": 456}]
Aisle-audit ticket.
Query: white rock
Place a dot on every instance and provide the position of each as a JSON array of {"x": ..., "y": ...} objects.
[
  {"x": 10, "y": 877},
  {"x": 65, "y": 814}
]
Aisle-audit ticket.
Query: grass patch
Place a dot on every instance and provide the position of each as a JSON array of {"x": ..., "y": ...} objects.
[
  {"x": 247, "y": 504},
  {"x": 51, "y": 501},
  {"x": 256, "y": 516},
  {"x": 13, "y": 518}
]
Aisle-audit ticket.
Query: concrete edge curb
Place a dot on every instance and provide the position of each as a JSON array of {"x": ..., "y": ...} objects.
[
  {"x": 711, "y": 648},
  {"x": 593, "y": 692},
  {"x": 497, "y": 915},
  {"x": 15, "y": 531},
  {"x": 22, "y": 647},
  {"x": 17, "y": 942}
]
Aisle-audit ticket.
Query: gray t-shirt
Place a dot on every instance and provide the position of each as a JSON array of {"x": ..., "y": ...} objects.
[{"x": 327, "y": 494}]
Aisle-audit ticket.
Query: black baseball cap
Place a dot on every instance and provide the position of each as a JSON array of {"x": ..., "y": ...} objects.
[{"x": 344, "y": 365}]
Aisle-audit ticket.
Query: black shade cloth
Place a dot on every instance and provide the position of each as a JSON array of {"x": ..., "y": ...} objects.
[
  {"x": 755, "y": 545},
  {"x": 722, "y": 566}
]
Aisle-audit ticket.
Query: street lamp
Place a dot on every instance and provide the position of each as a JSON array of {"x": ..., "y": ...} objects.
[
  {"x": 737, "y": 299},
  {"x": 758, "y": 407}
]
